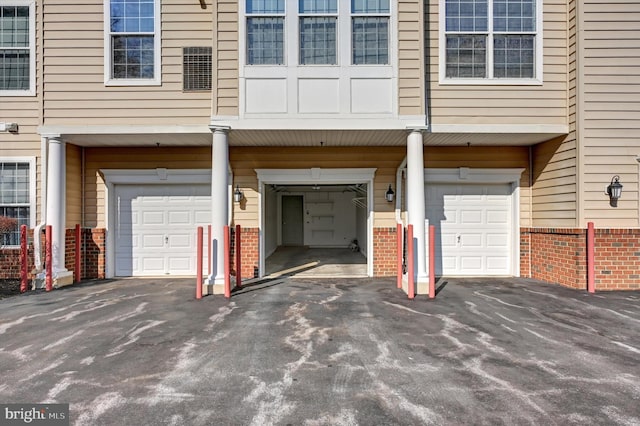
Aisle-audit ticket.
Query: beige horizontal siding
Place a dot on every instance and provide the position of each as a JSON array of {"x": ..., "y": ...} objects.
[
  {"x": 554, "y": 201},
  {"x": 411, "y": 68},
  {"x": 225, "y": 58},
  {"x": 467, "y": 104},
  {"x": 611, "y": 105},
  {"x": 132, "y": 158},
  {"x": 74, "y": 90}
]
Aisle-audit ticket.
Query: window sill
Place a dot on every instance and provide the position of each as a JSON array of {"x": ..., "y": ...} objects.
[
  {"x": 23, "y": 93},
  {"x": 490, "y": 82},
  {"x": 133, "y": 82}
]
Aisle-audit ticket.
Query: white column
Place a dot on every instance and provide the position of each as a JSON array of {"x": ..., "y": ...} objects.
[
  {"x": 219, "y": 205},
  {"x": 416, "y": 206},
  {"x": 56, "y": 209}
]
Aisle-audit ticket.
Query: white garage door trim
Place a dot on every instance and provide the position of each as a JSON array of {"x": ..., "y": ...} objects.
[
  {"x": 114, "y": 177},
  {"x": 511, "y": 176},
  {"x": 320, "y": 176}
]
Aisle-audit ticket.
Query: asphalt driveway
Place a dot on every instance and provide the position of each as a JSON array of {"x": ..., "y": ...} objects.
[{"x": 325, "y": 352}]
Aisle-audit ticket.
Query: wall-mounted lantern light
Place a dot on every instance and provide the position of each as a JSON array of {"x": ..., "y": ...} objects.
[
  {"x": 389, "y": 195},
  {"x": 614, "y": 191},
  {"x": 237, "y": 195}
]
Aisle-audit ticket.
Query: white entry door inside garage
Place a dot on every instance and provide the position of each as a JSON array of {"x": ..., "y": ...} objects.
[
  {"x": 473, "y": 228},
  {"x": 156, "y": 228}
]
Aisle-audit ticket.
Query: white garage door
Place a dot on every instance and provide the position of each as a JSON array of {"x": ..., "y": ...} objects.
[
  {"x": 473, "y": 228},
  {"x": 155, "y": 228}
]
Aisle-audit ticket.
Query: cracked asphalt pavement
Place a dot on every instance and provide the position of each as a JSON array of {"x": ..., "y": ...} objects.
[{"x": 325, "y": 352}]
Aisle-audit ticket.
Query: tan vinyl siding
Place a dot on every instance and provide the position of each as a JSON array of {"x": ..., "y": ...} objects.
[
  {"x": 225, "y": 58},
  {"x": 505, "y": 104},
  {"x": 244, "y": 161},
  {"x": 486, "y": 158},
  {"x": 411, "y": 91},
  {"x": 74, "y": 186},
  {"x": 74, "y": 89},
  {"x": 132, "y": 158},
  {"x": 555, "y": 187},
  {"x": 611, "y": 104}
]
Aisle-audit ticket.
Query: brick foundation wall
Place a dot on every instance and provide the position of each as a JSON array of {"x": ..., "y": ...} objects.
[
  {"x": 559, "y": 255},
  {"x": 92, "y": 249},
  {"x": 384, "y": 252},
  {"x": 250, "y": 252},
  {"x": 10, "y": 262}
]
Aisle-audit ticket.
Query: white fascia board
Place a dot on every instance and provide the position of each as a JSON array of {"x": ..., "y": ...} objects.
[
  {"x": 315, "y": 175},
  {"x": 320, "y": 123},
  {"x": 472, "y": 175},
  {"x": 161, "y": 175},
  {"x": 121, "y": 129},
  {"x": 559, "y": 129}
]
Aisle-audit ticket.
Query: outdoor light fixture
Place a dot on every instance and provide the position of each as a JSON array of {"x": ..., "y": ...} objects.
[
  {"x": 389, "y": 194},
  {"x": 614, "y": 191},
  {"x": 237, "y": 195},
  {"x": 9, "y": 127}
]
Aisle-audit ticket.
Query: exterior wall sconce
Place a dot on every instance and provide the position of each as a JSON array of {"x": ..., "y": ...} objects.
[
  {"x": 238, "y": 195},
  {"x": 389, "y": 194},
  {"x": 614, "y": 191},
  {"x": 9, "y": 127}
]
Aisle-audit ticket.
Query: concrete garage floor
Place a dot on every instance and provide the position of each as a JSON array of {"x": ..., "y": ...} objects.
[
  {"x": 325, "y": 352},
  {"x": 305, "y": 262}
]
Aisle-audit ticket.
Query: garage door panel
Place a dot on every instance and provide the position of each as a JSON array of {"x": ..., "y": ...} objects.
[
  {"x": 202, "y": 216},
  {"x": 474, "y": 224},
  {"x": 177, "y": 241},
  {"x": 152, "y": 241},
  {"x": 468, "y": 217},
  {"x": 498, "y": 217},
  {"x": 471, "y": 241},
  {"x": 497, "y": 264},
  {"x": 497, "y": 240},
  {"x": 180, "y": 217},
  {"x": 471, "y": 263},
  {"x": 156, "y": 228}
]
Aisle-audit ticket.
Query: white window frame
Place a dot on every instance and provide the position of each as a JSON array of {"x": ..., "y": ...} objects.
[
  {"x": 490, "y": 80},
  {"x": 344, "y": 48},
  {"x": 32, "y": 187},
  {"x": 157, "y": 46},
  {"x": 32, "y": 48}
]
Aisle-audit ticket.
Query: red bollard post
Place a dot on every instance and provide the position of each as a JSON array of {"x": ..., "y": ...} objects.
[
  {"x": 209, "y": 243},
  {"x": 78, "y": 257},
  {"x": 199, "y": 263},
  {"x": 227, "y": 260},
  {"x": 432, "y": 262},
  {"x": 238, "y": 258},
  {"x": 48, "y": 255},
  {"x": 24, "y": 259},
  {"x": 410, "y": 251},
  {"x": 591, "y": 262},
  {"x": 399, "y": 254}
]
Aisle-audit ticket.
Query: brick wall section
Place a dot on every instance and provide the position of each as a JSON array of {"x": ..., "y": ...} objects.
[
  {"x": 250, "y": 252},
  {"x": 93, "y": 249},
  {"x": 384, "y": 252},
  {"x": 10, "y": 262},
  {"x": 559, "y": 255}
]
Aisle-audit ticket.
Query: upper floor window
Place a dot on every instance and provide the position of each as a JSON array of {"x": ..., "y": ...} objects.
[
  {"x": 132, "y": 54},
  {"x": 494, "y": 40},
  {"x": 17, "y": 194},
  {"x": 265, "y": 32},
  {"x": 316, "y": 26},
  {"x": 17, "y": 48},
  {"x": 370, "y": 32}
]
